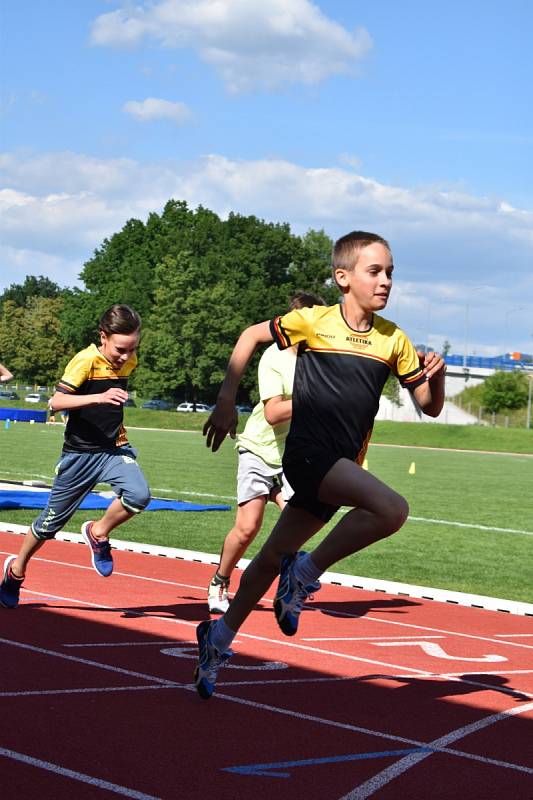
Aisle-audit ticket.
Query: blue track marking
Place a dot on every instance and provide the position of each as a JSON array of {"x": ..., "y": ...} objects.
[{"x": 273, "y": 770}]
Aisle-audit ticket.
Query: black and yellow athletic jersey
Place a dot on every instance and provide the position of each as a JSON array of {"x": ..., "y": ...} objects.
[
  {"x": 97, "y": 427},
  {"x": 340, "y": 374}
]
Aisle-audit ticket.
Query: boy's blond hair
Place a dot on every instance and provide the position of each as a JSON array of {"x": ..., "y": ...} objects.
[{"x": 346, "y": 249}]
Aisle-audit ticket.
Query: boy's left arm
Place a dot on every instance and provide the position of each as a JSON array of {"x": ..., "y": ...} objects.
[{"x": 430, "y": 394}]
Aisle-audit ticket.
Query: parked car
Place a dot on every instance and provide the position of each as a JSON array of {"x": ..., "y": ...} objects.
[
  {"x": 244, "y": 409},
  {"x": 130, "y": 403},
  {"x": 36, "y": 397},
  {"x": 157, "y": 405},
  {"x": 7, "y": 395},
  {"x": 191, "y": 407}
]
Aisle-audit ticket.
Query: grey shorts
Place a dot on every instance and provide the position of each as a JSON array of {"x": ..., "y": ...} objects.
[
  {"x": 78, "y": 473},
  {"x": 255, "y": 478}
]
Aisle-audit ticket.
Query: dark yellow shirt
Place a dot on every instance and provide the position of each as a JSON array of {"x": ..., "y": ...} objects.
[
  {"x": 98, "y": 427},
  {"x": 340, "y": 375}
]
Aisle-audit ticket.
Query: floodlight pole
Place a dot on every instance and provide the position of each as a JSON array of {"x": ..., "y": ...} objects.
[{"x": 528, "y": 415}]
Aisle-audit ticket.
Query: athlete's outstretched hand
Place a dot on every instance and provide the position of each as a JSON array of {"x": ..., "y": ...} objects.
[{"x": 222, "y": 420}]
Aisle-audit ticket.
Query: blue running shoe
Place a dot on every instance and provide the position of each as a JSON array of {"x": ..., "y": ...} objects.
[
  {"x": 209, "y": 661},
  {"x": 291, "y": 595},
  {"x": 100, "y": 551},
  {"x": 10, "y": 586}
]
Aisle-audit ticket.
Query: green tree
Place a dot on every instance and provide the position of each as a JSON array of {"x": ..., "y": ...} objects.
[
  {"x": 505, "y": 390},
  {"x": 311, "y": 268},
  {"x": 31, "y": 340},
  {"x": 20, "y": 293},
  {"x": 191, "y": 330},
  {"x": 446, "y": 347},
  {"x": 391, "y": 390}
]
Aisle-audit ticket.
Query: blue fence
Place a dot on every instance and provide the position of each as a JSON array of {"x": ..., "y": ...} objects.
[
  {"x": 490, "y": 362},
  {"x": 23, "y": 415}
]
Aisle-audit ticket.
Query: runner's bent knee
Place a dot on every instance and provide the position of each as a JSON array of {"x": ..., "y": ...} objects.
[{"x": 393, "y": 515}]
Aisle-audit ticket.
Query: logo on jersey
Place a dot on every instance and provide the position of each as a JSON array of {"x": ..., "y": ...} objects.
[{"x": 358, "y": 340}]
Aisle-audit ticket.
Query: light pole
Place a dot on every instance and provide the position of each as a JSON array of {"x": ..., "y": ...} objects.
[{"x": 528, "y": 415}]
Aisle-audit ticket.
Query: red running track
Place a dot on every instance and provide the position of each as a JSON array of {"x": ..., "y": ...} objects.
[{"x": 377, "y": 696}]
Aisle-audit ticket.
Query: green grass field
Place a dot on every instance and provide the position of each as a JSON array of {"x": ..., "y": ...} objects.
[{"x": 449, "y": 489}]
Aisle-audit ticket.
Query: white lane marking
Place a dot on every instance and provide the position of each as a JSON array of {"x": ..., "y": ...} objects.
[
  {"x": 370, "y": 618},
  {"x": 77, "y": 776},
  {"x": 87, "y": 662},
  {"x": 436, "y": 651},
  {"x": 283, "y": 711},
  {"x": 329, "y": 612},
  {"x": 387, "y": 775},
  {"x": 475, "y": 526},
  {"x": 351, "y": 581},
  {"x": 127, "y": 644},
  {"x": 85, "y": 690},
  {"x": 511, "y": 635},
  {"x": 389, "y": 736},
  {"x": 362, "y": 638}
]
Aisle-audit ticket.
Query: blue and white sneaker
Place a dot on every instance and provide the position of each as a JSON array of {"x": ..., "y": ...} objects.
[
  {"x": 209, "y": 661},
  {"x": 100, "y": 551},
  {"x": 10, "y": 586},
  {"x": 291, "y": 595}
]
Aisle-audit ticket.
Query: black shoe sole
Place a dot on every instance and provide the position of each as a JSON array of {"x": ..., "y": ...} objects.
[{"x": 284, "y": 623}]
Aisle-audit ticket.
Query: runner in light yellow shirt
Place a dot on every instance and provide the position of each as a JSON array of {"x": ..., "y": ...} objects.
[{"x": 260, "y": 446}]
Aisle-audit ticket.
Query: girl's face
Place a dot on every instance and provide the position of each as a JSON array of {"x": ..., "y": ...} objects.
[{"x": 118, "y": 347}]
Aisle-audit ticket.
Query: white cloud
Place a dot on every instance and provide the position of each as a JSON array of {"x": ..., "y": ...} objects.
[
  {"x": 249, "y": 43},
  {"x": 154, "y": 108},
  {"x": 456, "y": 255}
]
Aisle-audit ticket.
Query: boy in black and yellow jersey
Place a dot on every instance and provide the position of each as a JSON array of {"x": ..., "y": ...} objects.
[
  {"x": 93, "y": 390},
  {"x": 345, "y": 354}
]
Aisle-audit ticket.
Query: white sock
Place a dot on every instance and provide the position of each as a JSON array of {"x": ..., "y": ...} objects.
[
  {"x": 221, "y": 635},
  {"x": 305, "y": 569}
]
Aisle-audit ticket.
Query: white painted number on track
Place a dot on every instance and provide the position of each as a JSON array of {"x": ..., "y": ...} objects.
[
  {"x": 190, "y": 651},
  {"x": 435, "y": 650}
]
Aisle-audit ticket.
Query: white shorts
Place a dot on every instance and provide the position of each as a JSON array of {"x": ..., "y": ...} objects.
[{"x": 255, "y": 478}]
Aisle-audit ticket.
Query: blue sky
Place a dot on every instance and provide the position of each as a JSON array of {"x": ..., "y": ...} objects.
[{"x": 413, "y": 119}]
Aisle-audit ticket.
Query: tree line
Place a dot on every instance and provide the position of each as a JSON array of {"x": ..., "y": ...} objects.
[{"x": 195, "y": 279}]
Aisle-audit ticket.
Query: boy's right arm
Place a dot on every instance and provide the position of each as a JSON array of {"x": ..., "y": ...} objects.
[
  {"x": 66, "y": 402},
  {"x": 223, "y": 419}
]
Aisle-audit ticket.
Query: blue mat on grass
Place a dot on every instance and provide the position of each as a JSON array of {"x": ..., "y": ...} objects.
[{"x": 28, "y": 499}]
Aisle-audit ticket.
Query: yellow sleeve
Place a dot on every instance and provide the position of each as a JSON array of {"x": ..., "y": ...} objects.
[
  {"x": 292, "y": 328},
  {"x": 76, "y": 373}
]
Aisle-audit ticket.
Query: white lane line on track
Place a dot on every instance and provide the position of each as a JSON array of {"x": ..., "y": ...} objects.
[
  {"x": 347, "y": 615},
  {"x": 387, "y": 775},
  {"x": 281, "y": 681},
  {"x": 293, "y": 645},
  {"x": 131, "y": 644},
  {"x": 362, "y": 638},
  {"x": 86, "y": 662},
  {"x": 328, "y": 612},
  {"x": 86, "y": 690},
  {"x": 286, "y": 712},
  {"x": 350, "y": 581},
  {"x": 382, "y": 734},
  {"x": 77, "y": 776}
]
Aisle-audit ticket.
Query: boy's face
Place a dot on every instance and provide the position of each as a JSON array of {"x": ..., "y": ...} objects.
[
  {"x": 370, "y": 282},
  {"x": 118, "y": 347}
]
